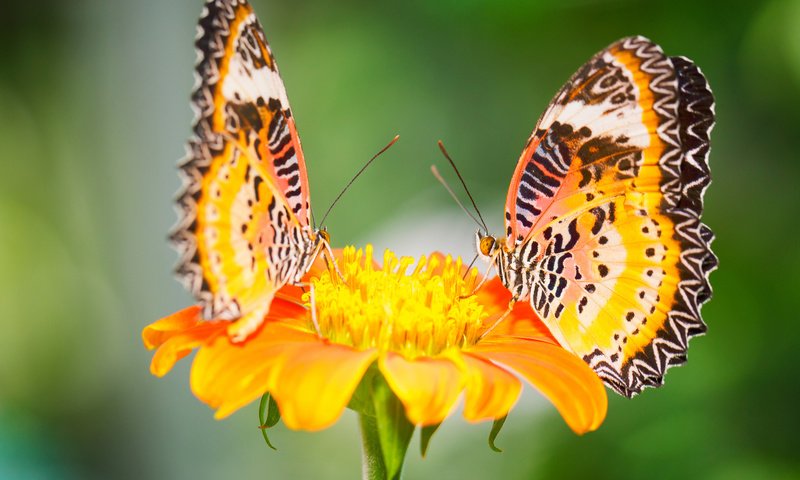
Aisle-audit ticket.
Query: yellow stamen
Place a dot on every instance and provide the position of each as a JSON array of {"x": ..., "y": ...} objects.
[{"x": 416, "y": 314}]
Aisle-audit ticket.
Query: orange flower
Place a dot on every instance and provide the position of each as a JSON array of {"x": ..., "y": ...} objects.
[{"x": 430, "y": 344}]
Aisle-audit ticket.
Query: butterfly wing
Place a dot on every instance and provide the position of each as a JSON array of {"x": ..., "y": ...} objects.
[
  {"x": 609, "y": 192},
  {"x": 244, "y": 206}
]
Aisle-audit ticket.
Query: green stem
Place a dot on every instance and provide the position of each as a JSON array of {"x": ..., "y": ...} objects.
[{"x": 373, "y": 466}]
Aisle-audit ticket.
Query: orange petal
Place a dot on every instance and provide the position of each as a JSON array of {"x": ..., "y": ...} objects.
[
  {"x": 315, "y": 381},
  {"x": 491, "y": 391},
  {"x": 158, "y": 332},
  {"x": 521, "y": 322},
  {"x": 227, "y": 375},
  {"x": 494, "y": 295},
  {"x": 180, "y": 345},
  {"x": 573, "y": 387},
  {"x": 176, "y": 336},
  {"x": 428, "y": 387}
]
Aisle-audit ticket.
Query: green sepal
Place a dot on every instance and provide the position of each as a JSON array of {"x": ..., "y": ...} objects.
[
  {"x": 497, "y": 425},
  {"x": 268, "y": 416},
  {"x": 361, "y": 401},
  {"x": 394, "y": 429},
  {"x": 425, "y": 435}
]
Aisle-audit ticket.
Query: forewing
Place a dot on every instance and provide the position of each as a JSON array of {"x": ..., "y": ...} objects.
[
  {"x": 245, "y": 193},
  {"x": 610, "y": 185}
]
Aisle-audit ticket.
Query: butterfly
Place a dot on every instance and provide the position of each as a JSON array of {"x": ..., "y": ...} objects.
[
  {"x": 244, "y": 229},
  {"x": 602, "y": 218}
]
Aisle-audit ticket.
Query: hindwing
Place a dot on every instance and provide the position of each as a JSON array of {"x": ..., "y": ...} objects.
[
  {"x": 244, "y": 207},
  {"x": 609, "y": 188}
]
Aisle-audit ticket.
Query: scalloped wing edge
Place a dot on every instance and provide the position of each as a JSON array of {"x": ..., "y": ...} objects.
[{"x": 691, "y": 130}]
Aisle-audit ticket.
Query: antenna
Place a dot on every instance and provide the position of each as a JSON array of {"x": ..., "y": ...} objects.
[
  {"x": 438, "y": 176},
  {"x": 396, "y": 137},
  {"x": 463, "y": 184},
  {"x": 469, "y": 267}
]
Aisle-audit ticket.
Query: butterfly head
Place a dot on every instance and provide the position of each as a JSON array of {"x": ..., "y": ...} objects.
[
  {"x": 488, "y": 246},
  {"x": 322, "y": 236}
]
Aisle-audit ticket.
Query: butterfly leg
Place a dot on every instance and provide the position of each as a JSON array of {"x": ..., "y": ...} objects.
[
  {"x": 314, "y": 312},
  {"x": 331, "y": 260},
  {"x": 303, "y": 286},
  {"x": 492, "y": 264},
  {"x": 477, "y": 287},
  {"x": 502, "y": 317},
  {"x": 466, "y": 271}
]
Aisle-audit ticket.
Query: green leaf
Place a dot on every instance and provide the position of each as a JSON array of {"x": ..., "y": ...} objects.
[
  {"x": 268, "y": 416},
  {"x": 497, "y": 425},
  {"x": 394, "y": 429},
  {"x": 425, "y": 437}
]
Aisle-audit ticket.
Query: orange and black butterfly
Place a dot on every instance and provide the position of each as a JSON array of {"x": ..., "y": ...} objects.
[
  {"x": 244, "y": 230},
  {"x": 603, "y": 230}
]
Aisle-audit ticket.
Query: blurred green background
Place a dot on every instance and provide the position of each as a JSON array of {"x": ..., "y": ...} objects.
[{"x": 94, "y": 114}]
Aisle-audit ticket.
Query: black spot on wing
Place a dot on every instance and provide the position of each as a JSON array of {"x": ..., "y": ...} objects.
[
  {"x": 282, "y": 160},
  {"x": 256, "y": 183},
  {"x": 293, "y": 193},
  {"x": 528, "y": 207},
  {"x": 249, "y": 116},
  {"x": 524, "y": 221},
  {"x": 275, "y": 105},
  {"x": 281, "y": 145},
  {"x": 599, "y": 219},
  {"x": 582, "y": 304}
]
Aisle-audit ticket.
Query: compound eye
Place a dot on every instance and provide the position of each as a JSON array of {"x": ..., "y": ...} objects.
[{"x": 487, "y": 245}]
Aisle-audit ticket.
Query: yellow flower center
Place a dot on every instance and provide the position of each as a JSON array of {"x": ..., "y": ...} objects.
[{"x": 420, "y": 313}]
